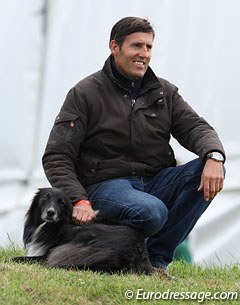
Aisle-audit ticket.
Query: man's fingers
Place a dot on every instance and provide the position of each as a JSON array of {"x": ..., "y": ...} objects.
[
  {"x": 83, "y": 214},
  {"x": 206, "y": 190},
  {"x": 212, "y": 190},
  {"x": 200, "y": 186}
]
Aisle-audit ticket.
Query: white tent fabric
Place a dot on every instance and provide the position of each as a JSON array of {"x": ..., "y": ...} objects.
[
  {"x": 21, "y": 51},
  {"x": 48, "y": 46}
]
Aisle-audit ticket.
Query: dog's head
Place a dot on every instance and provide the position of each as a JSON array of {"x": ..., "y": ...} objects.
[{"x": 50, "y": 205}]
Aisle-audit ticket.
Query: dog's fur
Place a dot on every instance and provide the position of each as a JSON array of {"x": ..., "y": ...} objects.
[{"x": 51, "y": 237}]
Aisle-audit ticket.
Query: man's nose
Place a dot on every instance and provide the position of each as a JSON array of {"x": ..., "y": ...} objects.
[{"x": 145, "y": 52}]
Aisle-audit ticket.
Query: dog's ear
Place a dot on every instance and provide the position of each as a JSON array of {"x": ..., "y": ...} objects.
[
  {"x": 32, "y": 211},
  {"x": 32, "y": 217},
  {"x": 66, "y": 209},
  {"x": 35, "y": 206}
]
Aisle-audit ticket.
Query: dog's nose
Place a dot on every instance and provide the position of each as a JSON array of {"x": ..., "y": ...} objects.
[{"x": 50, "y": 212}]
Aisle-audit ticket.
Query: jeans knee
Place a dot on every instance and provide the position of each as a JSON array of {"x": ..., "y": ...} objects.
[{"x": 154, "y": 218}]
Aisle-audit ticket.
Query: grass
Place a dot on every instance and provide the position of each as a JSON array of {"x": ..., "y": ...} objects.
[{"x": 22, "y": 284}]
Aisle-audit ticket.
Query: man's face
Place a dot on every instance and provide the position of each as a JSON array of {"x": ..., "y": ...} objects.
[{"x": 133, "y": 57}]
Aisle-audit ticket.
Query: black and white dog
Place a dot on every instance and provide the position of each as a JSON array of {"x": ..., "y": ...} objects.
[{"x": 51, "y": 237}]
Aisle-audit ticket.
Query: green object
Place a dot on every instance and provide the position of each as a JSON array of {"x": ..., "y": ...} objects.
[{"x": 183, "y": 253}]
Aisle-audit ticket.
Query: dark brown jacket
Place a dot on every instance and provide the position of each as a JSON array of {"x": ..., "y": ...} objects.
[{"x": 98, "y": 135}]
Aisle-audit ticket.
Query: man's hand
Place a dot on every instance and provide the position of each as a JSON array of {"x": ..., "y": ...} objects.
[
  {"x": 82, "y": 213},
  {"x": 212, "y": 179}
]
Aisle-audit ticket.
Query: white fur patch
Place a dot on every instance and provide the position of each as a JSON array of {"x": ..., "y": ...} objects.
[{"x": 35, "y": 248}]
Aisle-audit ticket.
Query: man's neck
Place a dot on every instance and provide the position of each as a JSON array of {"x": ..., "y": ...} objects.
[{"x": 131, "y": 84}]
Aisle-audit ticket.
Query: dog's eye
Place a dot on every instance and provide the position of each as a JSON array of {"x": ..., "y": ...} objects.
[
  {"x": 61, "y": 202},
  {"x": 44, "y": 199}
]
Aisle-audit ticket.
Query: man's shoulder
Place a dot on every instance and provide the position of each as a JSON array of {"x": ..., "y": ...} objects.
[
  {"x": 167, "y": 85},
  {"x": 89, "y": 80}
]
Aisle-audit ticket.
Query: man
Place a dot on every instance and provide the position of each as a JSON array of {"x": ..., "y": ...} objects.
[{"x": 109, "y": 147}]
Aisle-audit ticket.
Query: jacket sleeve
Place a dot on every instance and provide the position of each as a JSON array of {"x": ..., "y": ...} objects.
[
  {"x": 192, "y": 131},
  {"x": 63, "y": 147}
]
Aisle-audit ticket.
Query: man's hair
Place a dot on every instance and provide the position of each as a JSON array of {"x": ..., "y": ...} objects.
[{"x": 129, "y": 25}]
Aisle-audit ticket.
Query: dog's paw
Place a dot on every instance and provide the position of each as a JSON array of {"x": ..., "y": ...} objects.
[
  {"x": 19, "y": 259},
  {"x": 27, "y": 259}
]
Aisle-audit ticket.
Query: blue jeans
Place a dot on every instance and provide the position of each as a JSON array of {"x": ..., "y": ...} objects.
[{"x": 163, "y": 208}]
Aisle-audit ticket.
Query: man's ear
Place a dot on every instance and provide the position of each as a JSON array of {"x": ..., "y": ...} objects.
[{"x": 114, "y": 47}]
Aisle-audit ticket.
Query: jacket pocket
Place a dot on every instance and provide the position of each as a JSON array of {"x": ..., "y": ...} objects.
[
  {"x": 67, "y": 121},
  {"x": 153, "y": 111}
]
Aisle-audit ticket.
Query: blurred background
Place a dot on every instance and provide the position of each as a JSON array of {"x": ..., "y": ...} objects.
[{"x": 47, "y": 46}]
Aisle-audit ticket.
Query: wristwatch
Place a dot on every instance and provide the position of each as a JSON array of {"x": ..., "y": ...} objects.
[{"x": 217, "y": 156}]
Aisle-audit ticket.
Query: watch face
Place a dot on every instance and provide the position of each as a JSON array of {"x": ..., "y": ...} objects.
[{"x": 217, "y": 156}]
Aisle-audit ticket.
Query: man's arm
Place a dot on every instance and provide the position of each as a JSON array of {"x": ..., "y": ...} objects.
[
  {"x": 62, "y": 151},
  {"x": 196, "y": 135},
  {"x": 192, "y": 131}
]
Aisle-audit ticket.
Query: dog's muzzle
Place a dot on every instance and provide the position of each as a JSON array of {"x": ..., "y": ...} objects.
[{"x": 50, "y": 215}]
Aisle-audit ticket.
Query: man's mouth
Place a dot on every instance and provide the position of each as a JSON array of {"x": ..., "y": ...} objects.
[{"x": 139, "y": 63}]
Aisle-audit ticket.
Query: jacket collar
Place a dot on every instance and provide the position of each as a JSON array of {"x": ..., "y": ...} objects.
[
  {"x": 149, "y": 81},
  {"x": 132, "y": 85}
]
